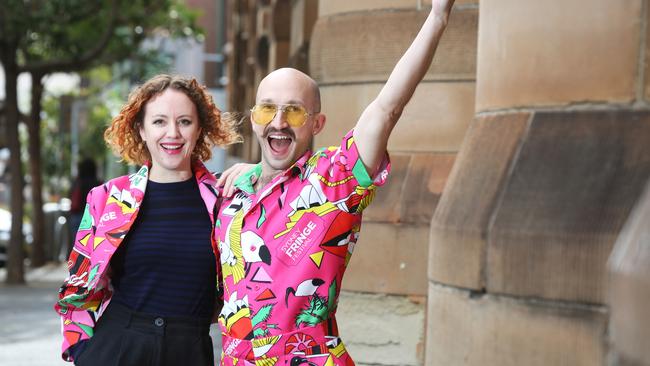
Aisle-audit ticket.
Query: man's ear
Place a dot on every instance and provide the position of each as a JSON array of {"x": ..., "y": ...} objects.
[{"x": 319, "y": 123}]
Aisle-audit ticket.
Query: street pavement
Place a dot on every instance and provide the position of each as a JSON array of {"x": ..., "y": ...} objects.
[
  {"x": 29, "y": 326},
  {"x": 29, "y": 334}
]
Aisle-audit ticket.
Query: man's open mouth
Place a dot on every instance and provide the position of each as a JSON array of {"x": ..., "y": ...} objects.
[{"x": 279, "y": 143}]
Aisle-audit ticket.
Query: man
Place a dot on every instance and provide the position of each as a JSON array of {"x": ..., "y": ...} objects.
[{"x": 286, "y": 239}]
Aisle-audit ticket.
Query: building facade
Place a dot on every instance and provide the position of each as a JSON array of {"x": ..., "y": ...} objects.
[{"x": 516, "y": 166}]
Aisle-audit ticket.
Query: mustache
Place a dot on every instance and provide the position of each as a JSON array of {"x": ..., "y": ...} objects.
[{"x": 286, "y": 131}]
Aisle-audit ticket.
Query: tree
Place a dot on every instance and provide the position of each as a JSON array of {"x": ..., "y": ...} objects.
[{"x": 41, "y": 37}]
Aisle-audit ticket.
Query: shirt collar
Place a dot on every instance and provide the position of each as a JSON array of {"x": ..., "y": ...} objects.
[
  {"x": 244, "y": 184},
  {"x": 199, "y": 171}
]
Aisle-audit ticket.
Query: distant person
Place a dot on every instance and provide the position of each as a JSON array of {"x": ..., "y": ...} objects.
[
  {"x": 286, "y": 240},
  {"x": 143, "y": 280},
  {"x": 85, "y": 181}
]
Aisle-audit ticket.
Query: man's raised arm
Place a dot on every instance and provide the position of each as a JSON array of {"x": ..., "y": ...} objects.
[{"x": 378, "y": 119}]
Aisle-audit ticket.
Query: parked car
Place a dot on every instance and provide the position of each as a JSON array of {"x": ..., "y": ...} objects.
[{"x": 5, "y": 234}]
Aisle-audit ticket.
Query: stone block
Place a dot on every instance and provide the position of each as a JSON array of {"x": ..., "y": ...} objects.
[
  {"x": 390, "y": 259},
  {"x": 570, "y": 189},
  {"x": 333, "y": 7},
  {"x": 413, "y": 189},
  {"x": 342, "y": 47},
  {"x": 435, "y": 120},
  {"x": 378, "y": 329},
  {"x": 460, "y": 223},
  {"x": 423, "y": 186},
  {"x": 488, "y": 330},
  {"x": 647, "y": 54},
  {"x": 629, "y": 286},
  {"x": 387, "y": 204},
  {"x": 540, "y": 53}
]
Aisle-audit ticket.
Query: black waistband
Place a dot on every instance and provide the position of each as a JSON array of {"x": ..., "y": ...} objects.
[{"x": 127, "y": 317}]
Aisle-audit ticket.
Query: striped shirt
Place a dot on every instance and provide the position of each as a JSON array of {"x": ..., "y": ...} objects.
[{"x": 166, "y": 265}]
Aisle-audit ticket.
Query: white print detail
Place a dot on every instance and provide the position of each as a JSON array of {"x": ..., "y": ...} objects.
[
  {"x": 108, "y": 216},
  {"x": 231, "y": 347},
  {"x": 296, "y": 244},
  {"x": 75, "y": 280}
]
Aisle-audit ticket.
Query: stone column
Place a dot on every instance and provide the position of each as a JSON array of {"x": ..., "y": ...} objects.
[
  {"x": 629, "y": 289},
  {"x": 553, "y": 162},
  {"x": 354, "y": 46}
]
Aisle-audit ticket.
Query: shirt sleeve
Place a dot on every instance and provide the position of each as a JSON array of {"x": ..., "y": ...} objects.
[{"x": 342, "y": 177}]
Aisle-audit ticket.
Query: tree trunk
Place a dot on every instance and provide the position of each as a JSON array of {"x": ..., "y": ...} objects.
[
  {"x": 33, "y": 125},
  {"x": 15, "y": 253}
]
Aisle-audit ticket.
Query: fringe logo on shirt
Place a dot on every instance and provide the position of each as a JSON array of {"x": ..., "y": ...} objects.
[{"x": 307, "y": 231}]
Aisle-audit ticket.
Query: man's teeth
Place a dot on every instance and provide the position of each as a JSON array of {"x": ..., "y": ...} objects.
[{"x": 280, "y": 137}]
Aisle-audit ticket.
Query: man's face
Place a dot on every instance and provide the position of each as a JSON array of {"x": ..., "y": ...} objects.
[{"x": 282, "y": 144}]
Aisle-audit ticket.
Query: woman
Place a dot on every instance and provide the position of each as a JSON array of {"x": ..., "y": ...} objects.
[
  {"x": 143, "y": 271},
  {"x": 85, "y": 181}
]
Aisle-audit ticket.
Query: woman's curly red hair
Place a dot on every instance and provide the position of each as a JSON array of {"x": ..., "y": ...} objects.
[{"x": 123, "y": 135}]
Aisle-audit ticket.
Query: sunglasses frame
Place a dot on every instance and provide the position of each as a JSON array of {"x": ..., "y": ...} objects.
[{"x": 280, "y": 107}]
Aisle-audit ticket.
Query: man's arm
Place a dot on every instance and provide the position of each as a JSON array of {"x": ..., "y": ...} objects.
[{"x": 378, "y": 119}]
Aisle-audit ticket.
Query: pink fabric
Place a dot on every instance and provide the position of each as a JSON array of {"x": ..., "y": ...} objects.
[
  {"x": 110, "y": 212},
  {"x": 284, "y": 251}
]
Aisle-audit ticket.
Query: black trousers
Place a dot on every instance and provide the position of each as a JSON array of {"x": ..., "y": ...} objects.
[{"x": 124, "y": 337}]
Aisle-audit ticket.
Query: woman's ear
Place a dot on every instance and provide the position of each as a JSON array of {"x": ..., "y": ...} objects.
[{"x": 141, "y": 130}]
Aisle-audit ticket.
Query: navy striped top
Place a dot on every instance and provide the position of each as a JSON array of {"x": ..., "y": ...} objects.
[{"x": 165, "y": 266}]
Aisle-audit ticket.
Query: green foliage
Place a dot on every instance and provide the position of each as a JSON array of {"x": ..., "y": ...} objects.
[
  {"x": 314, "y": 313},
  {"x": 65, "y": 30},
  {"x": 331, "y": 300},
  {"x": 50, "y": 36},
  {"x": 262, "y": 315},
  {"x": 319, "y": 308}
]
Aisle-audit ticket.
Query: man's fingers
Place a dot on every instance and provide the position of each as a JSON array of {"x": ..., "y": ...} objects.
[
  {"x": 225, "y": 174},
  {"x": 228, "y": 183},
  {"x": 230, "y": 176}
]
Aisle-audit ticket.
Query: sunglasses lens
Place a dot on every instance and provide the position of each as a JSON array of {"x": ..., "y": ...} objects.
[
  {"x": 296, "y": 115},
  {"x": 263, "y": 113}
]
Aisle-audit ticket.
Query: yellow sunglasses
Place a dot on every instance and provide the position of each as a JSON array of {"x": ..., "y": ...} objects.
[{"x": 295, "y": 114}]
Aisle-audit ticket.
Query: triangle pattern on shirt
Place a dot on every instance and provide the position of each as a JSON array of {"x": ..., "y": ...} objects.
[
  {"x": 261, "y": 276},
  {"x": 317, "y": 258},
  {"x": 267, "y": 294}
]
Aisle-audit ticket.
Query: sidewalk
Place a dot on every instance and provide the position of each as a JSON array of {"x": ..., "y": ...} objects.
[
  {"x": 30, "y": 332},
  {"x": 51, "y": 273}
]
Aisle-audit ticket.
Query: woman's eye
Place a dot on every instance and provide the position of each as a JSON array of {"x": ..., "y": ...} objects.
[
  {"x": 158, "y": 121},
  {"x": 186, "y": 122}
]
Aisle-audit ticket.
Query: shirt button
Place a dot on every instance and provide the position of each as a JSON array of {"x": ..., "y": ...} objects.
[{"x": 159, "y": 322}]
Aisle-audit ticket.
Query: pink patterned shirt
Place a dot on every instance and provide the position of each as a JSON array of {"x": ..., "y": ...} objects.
[{"x": 283, "y": 252}]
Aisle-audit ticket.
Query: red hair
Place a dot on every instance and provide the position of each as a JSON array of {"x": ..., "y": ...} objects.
[{"x": 123, "y": 134}]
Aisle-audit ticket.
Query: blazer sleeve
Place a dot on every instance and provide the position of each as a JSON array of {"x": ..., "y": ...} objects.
[{"x": 81, "y": 294}]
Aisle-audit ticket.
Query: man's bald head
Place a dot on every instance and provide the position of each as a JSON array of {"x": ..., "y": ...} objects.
[
  {"x": 282, "y": 144},
  {"x": 291, "y": 84}
]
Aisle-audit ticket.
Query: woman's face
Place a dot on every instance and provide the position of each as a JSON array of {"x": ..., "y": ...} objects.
[{"x": 170, "y": 130}]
